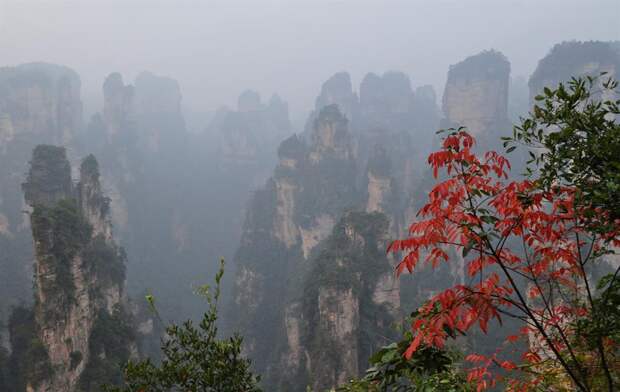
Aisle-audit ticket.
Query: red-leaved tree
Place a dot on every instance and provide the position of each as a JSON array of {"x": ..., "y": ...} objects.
[{"x": 527, "y": 255}]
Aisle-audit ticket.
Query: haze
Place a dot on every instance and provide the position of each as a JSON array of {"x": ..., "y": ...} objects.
[{"x": 218, "y": 49}]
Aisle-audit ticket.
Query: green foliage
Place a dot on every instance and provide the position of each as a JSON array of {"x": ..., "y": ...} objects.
[
  {"x": 49, "y": 177},
  {"x": 271, "y": 265},
  {"x": 353, "y": 258},
  {"x": 603, "y": 327},
  {"x": 75, "y": 358},
  {"x": 608, "y": 305},
  {"x": 29, "y": 359},
  {"x": 327, "y": 186},
  {"x": 105, "y": 260},
  {"x": 90, "y": 167},
  {"x": 331, "y": 114},
  {"x": 292, "y": 147},
  {"x": 61, "y": 232},
  {"x": 355, "y": 242},
  {"x": 194, "y": 359},
  {"x": 429, "y": 369},
  {"x": 574, "y": 139},
  {"x": 89, "y": 174},
  {"x": 109, "y": 343}
]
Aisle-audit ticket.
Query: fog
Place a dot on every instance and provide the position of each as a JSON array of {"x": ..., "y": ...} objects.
[
  {"x": 121, "y": 190},
  {"x": 216, "y": 49}
]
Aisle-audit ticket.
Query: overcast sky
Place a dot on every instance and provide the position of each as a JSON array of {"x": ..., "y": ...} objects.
[{"x": 217, "y": 49}]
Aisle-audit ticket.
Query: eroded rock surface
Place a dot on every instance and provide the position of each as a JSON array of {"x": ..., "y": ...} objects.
[{"x": 79, "y": 278}]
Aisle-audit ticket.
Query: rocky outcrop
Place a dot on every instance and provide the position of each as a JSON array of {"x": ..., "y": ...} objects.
[
  {"x": 386, "y": 103},
  {"x": 341, "y": 307},
  {"x": 277, "y": 110},
  {"x": 49, "y": 178},
  {"x": 286, "y": 221},
  {"x": 518, "y": 99},
  {"x": 160, "y": 178},
  {"x": 80, "y": 318},
  {"x": 158, "y": 112},
  {"x": 574, "y": 58},
  {"x": 476, "y": 97},
  {"x": 348, "y": 159},
  {"x": 380, "y": 183},
  {"x": 94, "y": 205},
  {"x": 39, "y": 100},
  {"x": 249, "y": 101},
  {"x": 331, "y": 136},
  {"x": 476, "y": 94},
  {"x": 426, "y": 115},
  {"x": 118, "y": 104},
  {"x": 39, "y": 103},
  {"x": 285, "y": 229},
  {"x": 338, "y": 90},
  {"x": 247, "y": 135},
  {"x": 292, "y": 155},
  {"x": 289, "y": 224},
  {"x": 365, "y": 155}
]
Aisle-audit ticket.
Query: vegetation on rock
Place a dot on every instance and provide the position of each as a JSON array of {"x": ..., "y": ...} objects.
[
  {"x": 69, "y": 234},
  {"x": 29, "y": 362},
  {"x": 110, "y": 341}
]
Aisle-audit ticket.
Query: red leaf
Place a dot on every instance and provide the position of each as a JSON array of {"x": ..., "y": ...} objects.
[
  {"x": 508, "y": 365},
  {"x": 413, "y": 346}
]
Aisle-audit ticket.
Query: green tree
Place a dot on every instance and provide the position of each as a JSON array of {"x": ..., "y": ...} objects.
[
  {"x": 573, "y": 139},
  {"x": 194, "y": 359},
  {"x": 534, "y": 248}
]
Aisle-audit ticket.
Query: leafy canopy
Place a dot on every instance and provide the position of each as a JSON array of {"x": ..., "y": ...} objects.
[
  {"x": 573, "y": 138},
  {"x": 194, "y": 359},
  {"x": 527, "y": 251}
]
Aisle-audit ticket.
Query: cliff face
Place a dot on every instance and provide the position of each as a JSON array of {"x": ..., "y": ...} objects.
[
  {"x": 388, "y": 114},
  {"x": 80, "y": 322},
  {"x": 247, "y": 136},
  {"x": 338, "y": 90},
  {"x": 39, "y": 103},
  {"x": 159, "y": 178},
  {"x": 288, "y": 224},
  {"x": 341, "y": 313},
  {"x": 39, "y": 100},
  {"x": 574, "y": 58},
  {"x": 141, "y": 140},
  {"x": 118, "y": 105},
  {"x": 476, "y": 95},
  {"x": 297, "y": 321},
  {"x": 386, "y": 102},
  {"x": 285, "y": 222},
  {"x": 158, "y": 111}
]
